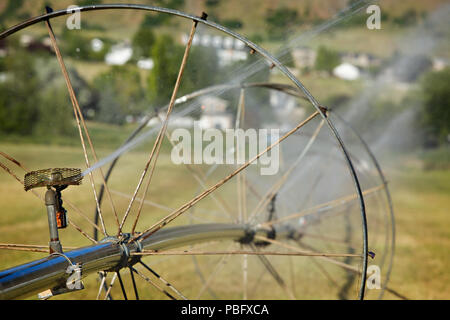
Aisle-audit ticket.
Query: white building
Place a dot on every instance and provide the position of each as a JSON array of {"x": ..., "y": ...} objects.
[
  {"x": 146, "y": 64},
  {"x": 304, "y": 57},
  {"x": 347, "y": 71},
  {"x": 215, "y": 114},
  {"x": 439, "y": 64},
  {"x": 361, "y": 60},
  {"x": 97, "y": 45},
  {"x": 229, "y": 50},
  {"x": 119, "y": 54},
  {"x": 286, "y": 108},
  {"x": 174, "y": 122}
]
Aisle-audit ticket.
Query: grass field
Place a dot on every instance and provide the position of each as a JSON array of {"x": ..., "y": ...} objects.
[
  {"x": 24, "y": 222},
  {"x": 420, "y": 202},
  {"x": 420, "y": 185}
]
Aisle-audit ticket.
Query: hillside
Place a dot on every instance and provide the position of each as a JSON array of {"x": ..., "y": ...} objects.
[{"x": 252, "y": 13}]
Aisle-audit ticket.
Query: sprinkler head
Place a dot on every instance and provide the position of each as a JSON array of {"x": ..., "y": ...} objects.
[{"x": 52, "y": 177}]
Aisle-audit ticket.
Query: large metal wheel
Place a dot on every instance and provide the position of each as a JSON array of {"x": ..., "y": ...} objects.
[{"x": 301, "y": 233}]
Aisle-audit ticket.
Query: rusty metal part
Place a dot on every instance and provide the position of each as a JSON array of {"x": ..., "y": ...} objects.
[{"x": 52, "y": 177}]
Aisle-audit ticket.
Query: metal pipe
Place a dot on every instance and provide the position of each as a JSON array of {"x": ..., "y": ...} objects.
[
  {"x": 50, "y": 272},
  {"x": 51, "y": 205}
]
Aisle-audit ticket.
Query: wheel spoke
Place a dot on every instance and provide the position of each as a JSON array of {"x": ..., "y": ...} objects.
[
  {"x": 82, "y": 232},
  {"x": 102, "y": 284},
  {"x": 243, "y": 252},
  {"x": 324, "y": 206},
  {"x": 306, "y": 253},
  {"x": 122, "y": 287},
  {"x": 40, "y": 197},
  {"x": 245, "y": 277},
  {"x": 27, "y": 247},
  {"x": 152, "y": 283},
  {"x": 163, "y": 281},
  {"x": 160, "y": 206},
  {"x": 218, "y": 267},
  {"x": 276, "y": 276},
  {"x": 333, "y": 261},
  {"x": 241, "y": 190},
  {"x": 201, "y": 179},
  {"x": 189, "y": 204},
  {"x": 136, "y": 292},
  {"x": 20, "y": 165},
  {"x": 157, "y": 145},
  {"x": 113, "y": 280},
  {"x": 279, "y": 184},
  {"x": 80, "y": 120}
]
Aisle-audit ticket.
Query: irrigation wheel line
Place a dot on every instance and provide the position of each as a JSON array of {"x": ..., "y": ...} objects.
[
  {"x": 11, "y": 282},
  {"x": 291, "y": 91}
]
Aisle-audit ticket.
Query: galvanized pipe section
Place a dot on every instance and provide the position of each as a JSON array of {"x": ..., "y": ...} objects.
[
  {"x": 50, "y": 203},
  {"x": 50, "y": 272}
]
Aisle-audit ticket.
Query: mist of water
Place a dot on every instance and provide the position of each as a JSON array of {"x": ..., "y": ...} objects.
[
  {"x": 239, "y": 76},
  {"x": 400, "y": 129}
]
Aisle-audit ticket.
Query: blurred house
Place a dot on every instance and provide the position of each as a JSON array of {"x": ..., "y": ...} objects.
[
  {"x": 174, "y": 122},
  {"x": 215, "y": 114},
  {"x": 346, "y": 71},
  {"x": 286, "y": 109},
  {"x": 119, "y": 54},
  {"x": 228, "y": 49},
  {"x": 304, "y": 57},
  {"x": 31, "y": 44},
  {"x": 361, "y": 60},
  {"x": 439, "y": 64},
  {"x": 146, "y": 64}
]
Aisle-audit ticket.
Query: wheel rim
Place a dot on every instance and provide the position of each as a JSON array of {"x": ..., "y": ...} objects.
[{"x": 266, "y": 56}]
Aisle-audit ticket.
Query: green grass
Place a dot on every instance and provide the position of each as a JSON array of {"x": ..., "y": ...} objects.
[
  {"x": 436, "y": 159},
  {"x": 104, "y": 136},
  {"x": 420, "y": 202}
]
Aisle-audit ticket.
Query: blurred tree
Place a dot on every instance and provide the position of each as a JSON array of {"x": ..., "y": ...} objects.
[
  {"x": 49, "y": 74},
  {"x": 326, "y": 59},
  {"x": 212, "y": 3},
  {"x": 257, "y": 99},
  {"x": 11, "y": 9},
  {"x": 76, "y": 45},
  {"x": 351, "y": 3},
  {"x": 108, "y": 108},
  {"x": 55, "y": 112},
  {"x": 280, "y": 20},
  {"x": 235, "y": 24},
  {"x": 436, "y": 104},
  {"x": 158, "y": 19},
  {"x": 407, "y": 18},
  {"x": 167, "y": 56},
  {"x": 18, "y": 92},
  {"x": 88, "y": 2},
  {"x": 33, "y": 96},
  {"x": 202, "y": 69},
  {"x": 119, "y": 94},
  {"x": 143, "y": 41}
]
